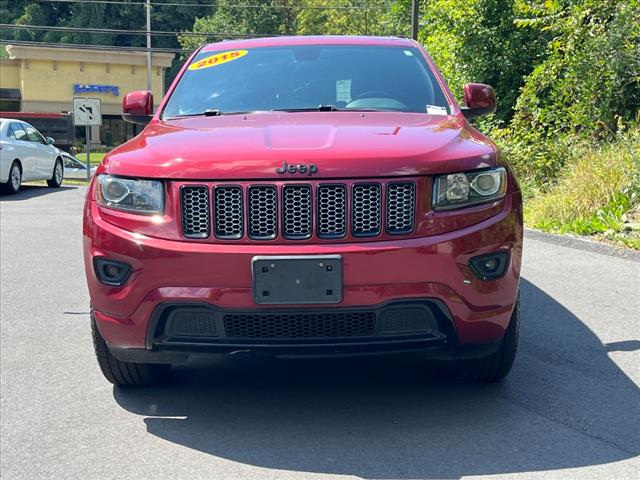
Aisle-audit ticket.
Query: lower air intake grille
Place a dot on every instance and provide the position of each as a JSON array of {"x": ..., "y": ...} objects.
[
  {"x": 228, "y": 212},
  {"x": 193, "y": 323},
  {"x": 300, "y": 325},
  {"x": 195, "y": 212},
  {"x": 400, "y": 207}
]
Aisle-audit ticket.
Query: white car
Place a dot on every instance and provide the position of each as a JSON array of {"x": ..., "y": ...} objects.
[
  {"x": 75, "y": 168},
  {"x": 25, "y": 155}
]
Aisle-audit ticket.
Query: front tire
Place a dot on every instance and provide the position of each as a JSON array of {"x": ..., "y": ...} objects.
[
  {"x": 125, "y": 374},
  {"x": 58, "y": 175},
  {"x": 14, "y": 181},
  {"x": 496, "y": 366}
]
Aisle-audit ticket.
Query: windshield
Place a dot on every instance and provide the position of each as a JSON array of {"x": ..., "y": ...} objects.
[{"x": 346, "y": 77}]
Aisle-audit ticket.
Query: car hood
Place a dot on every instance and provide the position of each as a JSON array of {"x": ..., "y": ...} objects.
[{"x": 339, "y": 144}]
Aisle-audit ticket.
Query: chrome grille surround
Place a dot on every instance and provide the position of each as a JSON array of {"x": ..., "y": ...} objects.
[
  {"x": 365, "y": 209},
  {"x": 228, "y": 212},
  {"x": 196, "y": 217},
  {"x": 400, "y": 211},
  {"x": 263, "y": 212},
  {"x": 297, "y": 210}
]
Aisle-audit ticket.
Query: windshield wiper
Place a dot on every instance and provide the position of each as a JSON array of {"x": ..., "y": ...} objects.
[
  {"x": 319, "y": 108},
  {"x": 206, "y": 113}
]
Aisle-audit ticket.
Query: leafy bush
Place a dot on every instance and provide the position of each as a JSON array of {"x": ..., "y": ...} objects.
[
  {"x": 476, "y": 41},
  {"x": 587, "y": 88},
  {"x": 597, "y": 193}
]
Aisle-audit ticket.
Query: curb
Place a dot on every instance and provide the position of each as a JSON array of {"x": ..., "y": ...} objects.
[{"x": 581, "y": 243}]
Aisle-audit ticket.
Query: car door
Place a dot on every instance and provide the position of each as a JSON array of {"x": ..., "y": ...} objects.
[
  {"x": 45, "y": 154},
  {"x": 25, "y": 151}
]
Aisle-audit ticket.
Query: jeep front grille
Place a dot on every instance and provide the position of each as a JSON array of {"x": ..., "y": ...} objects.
[
  {"x": 296, "y": 211},
  {"x": 332, "y": 211},
  {"x": 365, "y": 211},
  {"x": 263, "y": 212},
  {"x": 400, "y": 207},
  {"x": 299, "y": 211},
  {"x": 228, "y": 212},
  {"x": 195, "y": 212}
]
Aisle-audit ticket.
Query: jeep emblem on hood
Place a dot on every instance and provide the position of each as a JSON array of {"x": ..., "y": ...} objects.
[{"x": 301, "y": 168}]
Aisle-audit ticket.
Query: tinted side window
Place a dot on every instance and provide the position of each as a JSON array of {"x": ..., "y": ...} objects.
[
  {"x": 10, "y": 133},
  {"x": 18, "y": 132},
  {"x": 71, "y": 163},
  {"x": 34, "y": 136}
]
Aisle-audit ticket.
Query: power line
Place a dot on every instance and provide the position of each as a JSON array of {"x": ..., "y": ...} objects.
[
  {"x": 240, "y": 7},
  {"x": 93, "y": 47},
  {"x": 114, "y": 31}
]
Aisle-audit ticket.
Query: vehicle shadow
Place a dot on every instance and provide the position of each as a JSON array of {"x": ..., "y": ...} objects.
[
  {"x": 565, "y": 404},
  {"x": 31, "y": 191}
]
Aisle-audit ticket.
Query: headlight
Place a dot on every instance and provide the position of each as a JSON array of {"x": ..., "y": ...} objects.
[
  {"x": 138, "y": 196},
  {"x": 457, "y": 190}
]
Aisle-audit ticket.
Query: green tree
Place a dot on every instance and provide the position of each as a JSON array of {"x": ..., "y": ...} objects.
[
  {"x": 587, "y": 87},
  {"x": 477, "y": 41},
  {"x": 348, "y": 17},
  {"x": 242, "y": 19},
  {"x": 29, "y": 13}
]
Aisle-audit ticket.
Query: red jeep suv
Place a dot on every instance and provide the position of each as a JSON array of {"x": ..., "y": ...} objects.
[{"x": 305, "y": 196}]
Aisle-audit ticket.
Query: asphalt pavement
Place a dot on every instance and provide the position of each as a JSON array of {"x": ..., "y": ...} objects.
[{"x": 569, "y": 409}]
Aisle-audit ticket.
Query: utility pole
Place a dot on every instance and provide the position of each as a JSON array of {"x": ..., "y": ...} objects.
[
  {"x": 415, "y": 10},
  {"x": 148, "y": 45}
]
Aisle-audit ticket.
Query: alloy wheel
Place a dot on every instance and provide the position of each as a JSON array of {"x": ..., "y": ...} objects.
[{"x": 15, "y": 177}]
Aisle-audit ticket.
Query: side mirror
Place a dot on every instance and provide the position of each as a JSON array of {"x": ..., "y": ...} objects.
[
  {"x": 49, "y": 141},
  {"x": 479, "y": 99},
  {"x": 137, "y": 107}
]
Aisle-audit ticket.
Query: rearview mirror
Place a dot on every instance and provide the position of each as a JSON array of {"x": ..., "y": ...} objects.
[
  {"x": 479, "y": 99},
  {"x": 49, "y": 141},
  {"x": 137, "y": 107}
]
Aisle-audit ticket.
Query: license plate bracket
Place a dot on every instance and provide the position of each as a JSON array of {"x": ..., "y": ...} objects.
[{"x": 297, "y": 279}]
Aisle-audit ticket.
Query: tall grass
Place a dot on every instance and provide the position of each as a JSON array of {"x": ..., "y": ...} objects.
[{"x": 598, "y": 193}]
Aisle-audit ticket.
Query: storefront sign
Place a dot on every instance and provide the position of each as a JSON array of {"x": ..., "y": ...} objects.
[{"x": 106, "y": 89}]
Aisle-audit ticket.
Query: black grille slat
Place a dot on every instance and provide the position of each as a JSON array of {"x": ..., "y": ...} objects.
[
  {"x": 263, "y": 212},
  {"x": 332, "y": 211},
  {"x": 365, "y": 210},
  {"x": 300, "y": 325},
  {"x": 228, "y": 211},
  {"x": 196, "y": 217},
  {"x": 296, "y": 211},
  {"x": 400, "y": 207}
]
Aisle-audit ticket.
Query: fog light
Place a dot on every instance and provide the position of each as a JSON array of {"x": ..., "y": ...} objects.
[
  {"x": 110, "y": 272},
  {"x": 491, "y": 266}
]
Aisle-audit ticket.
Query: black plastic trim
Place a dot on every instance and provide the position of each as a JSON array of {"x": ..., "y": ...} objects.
[
  {"x": 214, "y": 220},
  {"x": 380, "y": 211},
  {"x": 325, "y": 236},
  {"x": 198, "y": 236},
  {"x": 386, "y": 209},
  {"x": 439, "y": 310},
  {"x": 248, "y": 208},
  {"x": 100, "y": 263},
  {"x": 503, "y": 257},
  {"x": 308, "y": 187}
]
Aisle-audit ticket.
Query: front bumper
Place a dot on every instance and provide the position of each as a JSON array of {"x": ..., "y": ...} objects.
[{"x": 430, "y": 269}]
